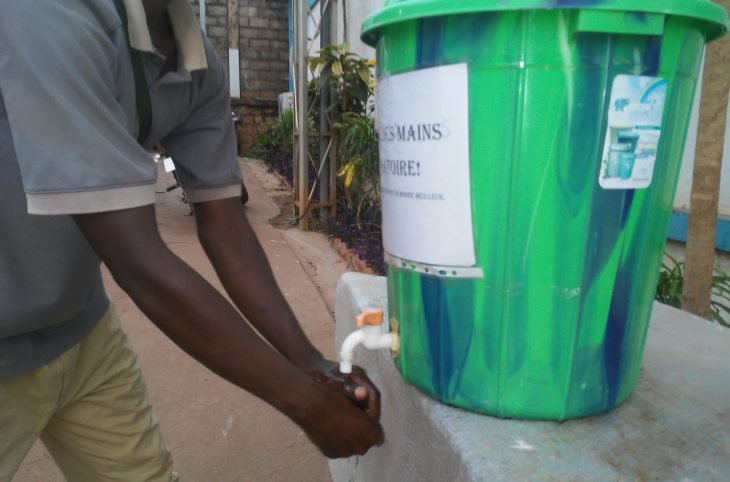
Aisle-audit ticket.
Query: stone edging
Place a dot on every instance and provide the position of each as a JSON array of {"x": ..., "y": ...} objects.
[{"x": 353, "y": 260}]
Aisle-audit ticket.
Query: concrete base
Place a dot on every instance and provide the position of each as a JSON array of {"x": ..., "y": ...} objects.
[{"x": 676, "y": 426}]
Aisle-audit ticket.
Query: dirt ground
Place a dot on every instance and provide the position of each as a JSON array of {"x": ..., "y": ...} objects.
[{"x": 216, "y": 431}]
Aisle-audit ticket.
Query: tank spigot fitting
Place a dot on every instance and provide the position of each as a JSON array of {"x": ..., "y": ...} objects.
[{"x": 370, "y": 335}]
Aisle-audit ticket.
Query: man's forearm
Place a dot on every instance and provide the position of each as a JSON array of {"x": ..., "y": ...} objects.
[
  {"x": 197, "y": 318},
  {"x": 241, "y": 264}
]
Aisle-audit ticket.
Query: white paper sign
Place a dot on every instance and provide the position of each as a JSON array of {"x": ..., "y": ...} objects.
[{"x": 423, "y": 125}]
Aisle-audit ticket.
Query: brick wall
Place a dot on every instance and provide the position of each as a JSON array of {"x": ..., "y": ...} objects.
[
  {"x": 216, "y": 25},
  {"x": 264, "y": 58}
]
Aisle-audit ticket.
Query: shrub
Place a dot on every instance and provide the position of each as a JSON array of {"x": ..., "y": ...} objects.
[
  {"x": 351, "y": 84},
  {"x": 276, "y": 145},
  {"x": 671, "y": 282}
]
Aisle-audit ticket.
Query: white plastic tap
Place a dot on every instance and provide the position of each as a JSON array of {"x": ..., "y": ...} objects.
[{"x": 370, "y": 335}]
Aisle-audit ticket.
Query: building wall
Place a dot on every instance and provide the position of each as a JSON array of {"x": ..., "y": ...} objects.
[
  {"x": 216, "y": 25},
  {"x": 356, "y": 13},
  {"x": 684, "y": 190},
  {"x": 263, "y": 58},
  {"x": 680, "y": 220}
]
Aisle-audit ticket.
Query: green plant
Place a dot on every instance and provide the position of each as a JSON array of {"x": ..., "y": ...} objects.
[
  {"x": 720, "y": 297},
  {"x": 348, "y": 75},
  {"x": 359, "y": 170},
  {"x": 671, "y": 281},
  {"x": 350, "y": 82},
  {"x": 278, "y": 135},
  {"x": 276, "y": 145}
]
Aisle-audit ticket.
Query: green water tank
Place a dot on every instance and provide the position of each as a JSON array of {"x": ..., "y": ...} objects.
[{"x": 521, "y": 267}]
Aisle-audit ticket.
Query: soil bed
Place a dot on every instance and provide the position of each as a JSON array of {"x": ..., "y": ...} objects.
[{"x": 361, "y": 240}]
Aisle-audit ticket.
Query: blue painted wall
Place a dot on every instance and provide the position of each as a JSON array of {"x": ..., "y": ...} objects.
[{"x": 678, "y": 230}]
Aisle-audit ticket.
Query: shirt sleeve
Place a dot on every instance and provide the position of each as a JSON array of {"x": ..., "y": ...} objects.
[
  {"x": 74, "y": 143},
  {"x": 204, "y": 146}
]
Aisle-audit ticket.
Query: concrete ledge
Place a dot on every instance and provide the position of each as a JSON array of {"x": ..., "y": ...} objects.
[{"x": 676, "y": 426}]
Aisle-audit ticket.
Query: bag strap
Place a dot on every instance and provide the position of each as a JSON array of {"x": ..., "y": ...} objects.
[{"x": 142, "y": 94}]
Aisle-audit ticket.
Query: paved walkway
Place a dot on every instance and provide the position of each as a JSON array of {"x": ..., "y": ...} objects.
[{"x": 217, "y": 432}]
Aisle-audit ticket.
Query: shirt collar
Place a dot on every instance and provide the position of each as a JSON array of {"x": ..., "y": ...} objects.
[{"x": 185, "y": 27}]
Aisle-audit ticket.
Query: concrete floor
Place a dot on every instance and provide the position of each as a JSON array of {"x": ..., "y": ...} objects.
[{"x": 216, "y": 431}]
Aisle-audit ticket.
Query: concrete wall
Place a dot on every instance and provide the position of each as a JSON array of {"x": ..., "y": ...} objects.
[
  {"x": 216, "y": 24},
  {"x": 684, "y": 189},
  {"x": 679, "y": 223},
  {"x": 263, "y": 53},
  {"x": 348, "y": 25},
  {"x": 356, "y": 12}
]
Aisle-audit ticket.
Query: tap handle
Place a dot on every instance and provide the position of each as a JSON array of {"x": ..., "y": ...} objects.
[{"x": 370, "y": 317}]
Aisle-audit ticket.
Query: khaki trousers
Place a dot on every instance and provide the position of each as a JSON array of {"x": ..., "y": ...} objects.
[{"x": 90, "y": 409}]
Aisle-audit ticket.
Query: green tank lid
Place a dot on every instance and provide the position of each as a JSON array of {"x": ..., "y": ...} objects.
[{"x": 713, "y": 17}]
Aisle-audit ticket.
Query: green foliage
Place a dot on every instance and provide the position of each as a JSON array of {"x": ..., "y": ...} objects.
[
  {"x": 348, "y": 75},
  {"x": 671, "y": 281},
  {"x": 279, "y": 135},
  {"x": 351, "y": 83},
  {"x": 720, "y": 298},
  {"x": 359, "y": 170}
]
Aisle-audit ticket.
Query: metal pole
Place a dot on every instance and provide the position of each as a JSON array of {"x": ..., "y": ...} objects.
[
  {"x": 325, "y": 126},
  {"x": 302, "y": 98},
  {"x": 333, "y": 101},
  {"x": 201, "y": 16},
  {"x": 345, "y": 31}
]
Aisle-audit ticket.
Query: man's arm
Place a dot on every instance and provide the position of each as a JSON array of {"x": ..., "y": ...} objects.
[
  {"x": 239, "y": 260},
  {"x": 199, "y": 320}
]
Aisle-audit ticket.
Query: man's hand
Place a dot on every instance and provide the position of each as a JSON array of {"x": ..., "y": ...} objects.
[
  {"x": 357, "y": 385},
  {"x": 225, "y": 234},
  {"x": 337, "y": 426}
]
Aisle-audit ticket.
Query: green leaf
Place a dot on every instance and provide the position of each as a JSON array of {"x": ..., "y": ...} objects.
[
  {"x": 350, "y": 176},
  {"x": 343, "y": 170},
  {"x": 337, "y": 68},
  {"x": 365, "y": 76}
]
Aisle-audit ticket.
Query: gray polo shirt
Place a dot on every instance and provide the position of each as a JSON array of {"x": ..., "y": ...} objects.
[{"x": 68, "y": 128}]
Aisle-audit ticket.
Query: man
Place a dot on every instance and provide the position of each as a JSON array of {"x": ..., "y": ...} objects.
[{"x": 76, "y": 187}]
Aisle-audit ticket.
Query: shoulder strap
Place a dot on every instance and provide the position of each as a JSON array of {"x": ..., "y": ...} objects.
[{"x": 144, "y": 108}]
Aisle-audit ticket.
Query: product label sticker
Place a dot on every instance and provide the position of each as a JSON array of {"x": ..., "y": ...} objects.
[
  {"x": 634, "y": 129},
  {"x": 423, "y": 127}
]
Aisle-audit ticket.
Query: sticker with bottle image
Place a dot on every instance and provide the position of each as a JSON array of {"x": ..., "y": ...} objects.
[{"x": 634, "y": 129}]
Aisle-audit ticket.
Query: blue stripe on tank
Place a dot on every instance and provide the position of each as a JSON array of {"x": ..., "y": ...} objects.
[
  {"x": 618, "y": 316},
  {"x": 615, "y": 337},
  {"x": 628, "y": 202},
  {"x": 431, "y": 42},
  {"x": 652, "y": 56},
  {"x": 438, "y": 331}
]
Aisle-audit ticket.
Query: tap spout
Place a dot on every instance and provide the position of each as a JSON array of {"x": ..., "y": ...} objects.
[{"x": 370, "y": 335}]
